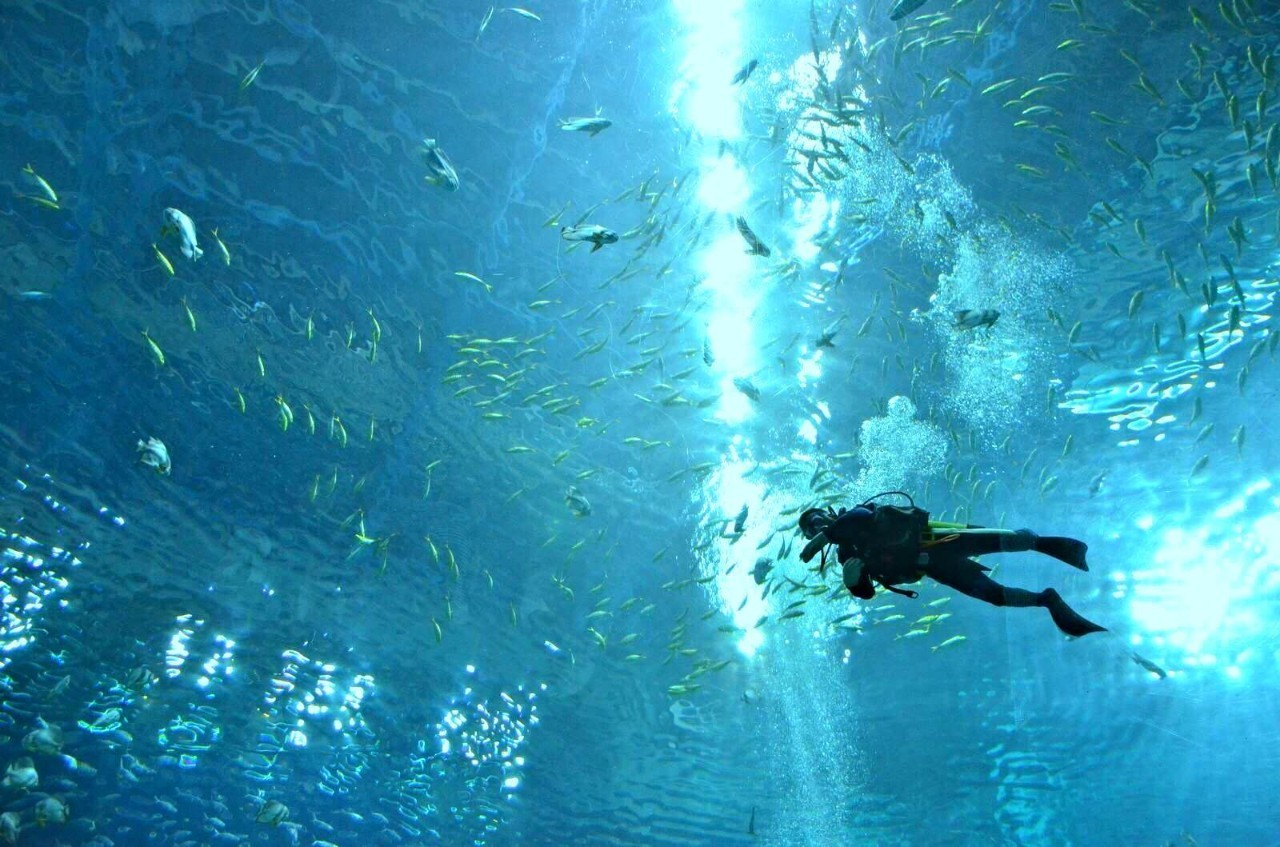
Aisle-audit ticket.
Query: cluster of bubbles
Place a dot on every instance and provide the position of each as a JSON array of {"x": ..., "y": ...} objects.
[
  {"x": 898, "y": 450},
  {"x": 490, "y": 732}
]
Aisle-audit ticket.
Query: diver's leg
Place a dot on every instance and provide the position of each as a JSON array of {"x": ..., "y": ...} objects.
[
  {"x": 979, "y": 542},
  {"x": 967, "y": 577}
]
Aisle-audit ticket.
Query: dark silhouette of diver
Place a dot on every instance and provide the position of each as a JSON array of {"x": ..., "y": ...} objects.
[{"x": 898, "y": 546}]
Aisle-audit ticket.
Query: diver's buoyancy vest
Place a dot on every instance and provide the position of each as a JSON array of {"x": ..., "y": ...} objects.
[{"x": 893, "y": 554}]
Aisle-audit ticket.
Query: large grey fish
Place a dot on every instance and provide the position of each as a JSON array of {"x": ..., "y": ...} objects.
[
  {"x": 975, "y": 318},
  {"x": 591, "y": 126},
  {"x": 596, "y": 234},
  {"x": 745, "y": 74},
  {"x": 761, "y": 571},
  {"x": 441, "y": 169}
]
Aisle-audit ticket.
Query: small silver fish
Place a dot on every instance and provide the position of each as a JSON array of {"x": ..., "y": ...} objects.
[{"x": 252, "y": 75}]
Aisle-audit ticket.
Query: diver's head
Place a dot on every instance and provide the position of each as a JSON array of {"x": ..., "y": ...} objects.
[{"x": 814, "y": 521}]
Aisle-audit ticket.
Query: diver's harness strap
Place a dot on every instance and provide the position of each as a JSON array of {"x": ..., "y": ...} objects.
[{"x": 906, "y": 528}]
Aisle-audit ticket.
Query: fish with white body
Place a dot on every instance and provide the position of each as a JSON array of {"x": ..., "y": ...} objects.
[
  {"x": 51, "y": 810},
  {"x": 46, "y": 738},
  {"x": 596, "y": 234},
  {"x": 154, "y": 454},
  {"x": 591, "y": 126},
  {"x": 21, "y": 775},
  {"x": 180, "y": 223},
  {"x": 272, "y": 812},
  {"x": 975, "y": 318}
]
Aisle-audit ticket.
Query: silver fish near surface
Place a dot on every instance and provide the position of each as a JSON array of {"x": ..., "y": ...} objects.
[
  {"x": 591, "y": 126},
  {"x": 975, "y": 318},
  {"x": 596, "y": 234},
  {"x": 441, "y": 169}
]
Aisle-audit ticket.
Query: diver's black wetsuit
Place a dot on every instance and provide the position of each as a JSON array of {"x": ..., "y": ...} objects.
[{"x": 944, "y": 556}]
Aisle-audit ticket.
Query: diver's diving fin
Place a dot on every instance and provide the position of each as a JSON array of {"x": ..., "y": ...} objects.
[
  {"x": 1067, "y": 550},
  {"x": 1066, "y": 618}
]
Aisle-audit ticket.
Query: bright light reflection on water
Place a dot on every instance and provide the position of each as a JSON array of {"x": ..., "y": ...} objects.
[{"x": 1198, "y": 596}]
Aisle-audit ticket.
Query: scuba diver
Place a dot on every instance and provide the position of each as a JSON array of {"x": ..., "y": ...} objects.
[{"x": 897, "y": 546}]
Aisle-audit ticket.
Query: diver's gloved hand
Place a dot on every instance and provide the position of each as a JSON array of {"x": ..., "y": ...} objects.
[
  {"x": 814, "y": 547},
  {"x": 852, "y": 575}
]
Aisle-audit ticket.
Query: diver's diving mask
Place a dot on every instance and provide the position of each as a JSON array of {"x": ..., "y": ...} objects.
[{"x": 814, "y": 521}]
